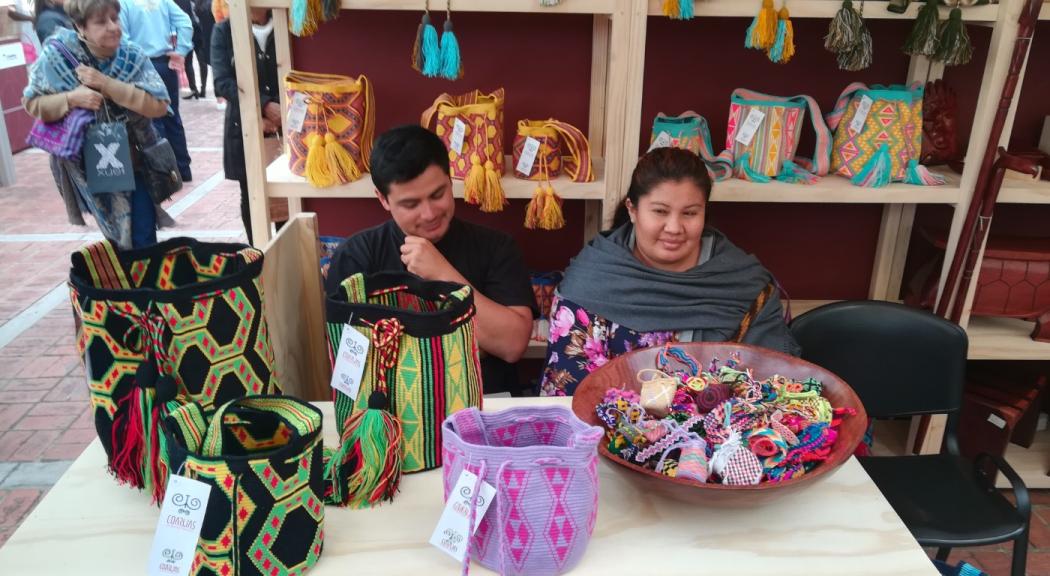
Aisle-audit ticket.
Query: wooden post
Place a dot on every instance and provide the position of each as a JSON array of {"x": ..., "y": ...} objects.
[
  {"x": 283, "y": 44},
  {"x": 627, "y": 59}
]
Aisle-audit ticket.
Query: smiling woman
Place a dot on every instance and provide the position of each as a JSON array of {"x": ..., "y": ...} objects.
[{"x": 660, "y": 275}]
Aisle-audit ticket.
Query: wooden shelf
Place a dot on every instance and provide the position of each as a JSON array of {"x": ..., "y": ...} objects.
[
  {"x": 571, "y": 7},
  {"x": 1023, "y": 189},
  {"x": 1004, "y": 339},
  {"x": 820, "y": 9},
  {"x": 281, "y": 183},
  {"x": 837, "y": 189},
  {"x": 1031, "y": 464}
]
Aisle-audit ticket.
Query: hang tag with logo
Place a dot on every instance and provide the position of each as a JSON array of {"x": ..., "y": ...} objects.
[
  {"x": 747, "y": 131},
  {"x": 528, "y": 155},
  {"x": 863, "y": 109},
  {"x": 662, "y": 140},
  {"x": 297, "y": 112},
  {"x": 450, "y": 535},
  {"x": 996, "y": 421},
  {"x": 179, "y": 527},
  {"x": 459, "y": 131},
  {"x": 350, "y": 362}
]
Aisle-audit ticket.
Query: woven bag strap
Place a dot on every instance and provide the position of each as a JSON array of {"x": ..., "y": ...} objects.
[
  {"x": 104, "y": 266},
  {"x": 468, "y": 425},
  {"x": 369, "y": 127},
  {"x": 354, "y": 287},
  {"x": 287, "y": 409},
  {"x": 842, "y": 104},
  {"x": 189, "y": 419},
  {"x": 756, "y": 307},
  {"x": 428, "y": 114},
  {"x": 578, "y": 162}
]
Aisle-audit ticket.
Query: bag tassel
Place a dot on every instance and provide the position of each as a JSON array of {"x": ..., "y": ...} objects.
[
  {"x": 955, "y": 47},
  {"x": 318, "y": 172},
  {"x": 685, "y": 10},
  {"x": 451, "y": 65},
  {"x": 342, "y": 165},
  {"x": 552, "y": 217},
  {"x": 371, "y": 446},
  {"x": 920, "y": 175},
  {"x": 417, "y": 47},
  {"x": 794, "y": 174},
  {"x": 763, "y": 30},
  {"x": 744, "y": 166},
  {"x": 330, "y": 9},
  {"x": 301, "y": 23},
  {"x": 429, "y": 51},
  {"x": 138, "y": 461},
  {"x": 783, "y": 48},
  {"x": 842, "y": 32},
  {"x": 671, "y": 9},
  {"x": 923, "y": 39},
  {"x": 534, "y": 211},
  {"x": 549, "y": 3},
  {"x": 876, "y": 171},
  {"x": 858, "y": 57},
  {"x": 492, "y": 198},
  {"x": 474, "y": 183}
]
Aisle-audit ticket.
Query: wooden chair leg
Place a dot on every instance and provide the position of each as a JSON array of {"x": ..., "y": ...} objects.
[
  {"x": 942, "y": 554},
  {"x": 1017, "y": 568}
]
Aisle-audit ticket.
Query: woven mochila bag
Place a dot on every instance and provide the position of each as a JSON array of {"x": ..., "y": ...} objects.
[
  {"x": 543, "y": 464},
  {"x": 177, "y": 322},
  {"x": 262, "y": 458},
  {"x": 471, "y": 126},
  {"x": 559, "y": 147},
  {"x": 422, "y": 365},
  {"x": 335, "y": 142}
]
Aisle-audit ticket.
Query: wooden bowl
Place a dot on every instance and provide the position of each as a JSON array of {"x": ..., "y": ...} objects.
[{"x": 621, "y": 372}]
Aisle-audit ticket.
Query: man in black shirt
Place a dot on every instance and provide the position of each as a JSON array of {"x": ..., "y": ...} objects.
[{"x": 410, "y": 171}]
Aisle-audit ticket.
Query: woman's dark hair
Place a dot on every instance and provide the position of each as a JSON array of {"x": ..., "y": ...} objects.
[
  {"x": 659, "y": 166},
  {"x": 403, "y": 153},
  {"x": 80, "y": 11}
]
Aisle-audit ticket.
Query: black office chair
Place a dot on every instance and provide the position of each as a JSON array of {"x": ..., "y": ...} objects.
[{"x": 906, "y": 362}]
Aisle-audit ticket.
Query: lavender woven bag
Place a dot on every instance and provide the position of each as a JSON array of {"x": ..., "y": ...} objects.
[{"x": 543, "y": 463}]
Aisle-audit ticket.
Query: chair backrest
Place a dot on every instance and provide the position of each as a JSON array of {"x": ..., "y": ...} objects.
[{"x": 901, "y": 361}]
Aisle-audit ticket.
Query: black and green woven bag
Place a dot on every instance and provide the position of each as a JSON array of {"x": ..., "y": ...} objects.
[
  {"x": 180, "y": 321},
  {"x": 262, "y": 457}
]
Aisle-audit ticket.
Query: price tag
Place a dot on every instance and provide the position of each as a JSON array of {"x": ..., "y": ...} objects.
[
  {"x": 179, "y": 527},
  {"x": 528, "y": 155},
  {"x": 863, "y": 109},
  {"x": 450, "y": 535},
  {"x": 297, "y": 112},
  {"x": 662, "y": 140},
  {"x": 459, "y": 130},
  {"x": 747, "y": 131},
  {"x": 997, "y": 421},
  {"x": 350, "y": 362}
]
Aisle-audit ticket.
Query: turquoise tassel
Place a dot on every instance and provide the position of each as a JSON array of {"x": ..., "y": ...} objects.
[
  {"x": 920, "y": 175},
  {"x": 450, "y": 59},
  {"x": 430, "y": 52},
  {"x": 794, "y": 174},
  {"x": 876, "y": 172},
  {"x": 685, "y": 9},
  {"x": 298, "y": 16},
  {"x": 748, "y": 34},
  {"x": 744, "y": 164},
  {"x": 776, "y": 52}
]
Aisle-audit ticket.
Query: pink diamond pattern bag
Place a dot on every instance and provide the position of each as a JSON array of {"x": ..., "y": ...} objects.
[{"x": 543, "y": 463}]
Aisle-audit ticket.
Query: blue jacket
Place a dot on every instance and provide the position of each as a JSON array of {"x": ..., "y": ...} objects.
[{"x": 150, "y": 23}]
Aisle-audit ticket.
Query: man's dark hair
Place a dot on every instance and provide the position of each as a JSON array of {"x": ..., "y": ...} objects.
[{"x": 403, "y": 153}]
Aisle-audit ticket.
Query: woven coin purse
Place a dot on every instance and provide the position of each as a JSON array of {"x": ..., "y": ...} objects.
[
  {"x": 543, "y": 463},
  {"x": 262, "y": 457}
]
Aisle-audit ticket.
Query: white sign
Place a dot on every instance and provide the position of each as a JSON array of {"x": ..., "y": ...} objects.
[
  {"x": 297, "y": 112},
  {"x": 528, "y": 155},
  {"x": 863, "y": 109},
  {"x": 350, "y": 362},
  {"x": 662, "y": 140},
  {"x": 747, "y": 131},
  {"x": 12, "y": 55},
  {"x": 179, "y": 527},
  {"x": 459, "y": 130},
  {"x": 996, "y": 421},
  {"x": 450, "y": 535}
]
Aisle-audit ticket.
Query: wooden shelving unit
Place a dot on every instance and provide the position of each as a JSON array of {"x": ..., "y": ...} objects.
[{"x": 1022, "y": 189}]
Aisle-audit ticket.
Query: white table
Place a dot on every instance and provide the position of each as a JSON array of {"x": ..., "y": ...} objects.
[{"x": 88, "y": 524}]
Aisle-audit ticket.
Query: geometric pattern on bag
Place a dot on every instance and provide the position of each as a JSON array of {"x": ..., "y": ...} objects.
[
  {"x": 262, "y": 458},
  {"x": 482, "y": 115},
  {"x": 543, "y": 464},
  {"x": 563, "y": 147},
  {"x": 179, "y": 321},
  {"x": 335, "y": 104},
  {"x": 894, "y": 120},
  {"x": 437, "y": 371}
]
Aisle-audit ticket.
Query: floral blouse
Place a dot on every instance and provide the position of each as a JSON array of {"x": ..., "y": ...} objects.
[{"x": 580, "y": 342}]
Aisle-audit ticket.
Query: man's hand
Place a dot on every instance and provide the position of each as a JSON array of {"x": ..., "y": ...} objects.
[
  {"x": 268, "y": 127},
  {"x": 272, "y": 112},
  {"x": 423, "y": 259},
  {"x": 84, "y": 97},
  {"x": 91, "y": 78}
]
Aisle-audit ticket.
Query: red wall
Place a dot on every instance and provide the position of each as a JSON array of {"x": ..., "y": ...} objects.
[{"x": 543, "y": 61}]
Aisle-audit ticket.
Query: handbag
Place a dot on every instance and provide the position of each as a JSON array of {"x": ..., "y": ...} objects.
[
  {"x": 63, "y": 138},
  {"x": 543, "y": 464},
  {"x": 763, "y": 135},
  {"x": 180, "y": 321},
  {"x": 471, "y": 126},
  {"x": 426, "y": 331},
  {"x": 543, "y": 149},
  {"x": 878, "y": 135},
  {"x": 688, "y": 131},
  {"x": 162, "y": 170},
  {"x": 107, "y": 155},
  {"x": 262, "y": 458},
  {"x": 331, "y": 123}
]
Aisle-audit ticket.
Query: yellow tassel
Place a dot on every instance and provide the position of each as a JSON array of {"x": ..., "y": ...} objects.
[
  {"x": 492, "y": 199},
  {"x": 789, "y": 36},
  {"x": 766, "y": 29},
  {"x": 552, "y": 218},
  {"x": 318, "y": 172},
  {"x": 534, "y": 211},
  {"x": 475, "y": 181},
  {"x": 341, "y": 163},
  {"x": 671, "y": 8}
]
